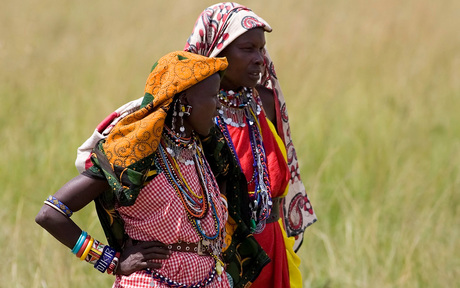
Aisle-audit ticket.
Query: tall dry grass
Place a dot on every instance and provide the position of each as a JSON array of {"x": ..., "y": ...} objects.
[{"x": 373, "y": 89}]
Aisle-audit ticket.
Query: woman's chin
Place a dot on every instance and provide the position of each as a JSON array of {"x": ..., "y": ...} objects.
[
  {"x": 203, "y": 132},
  {"x": 251, "y": 83}
]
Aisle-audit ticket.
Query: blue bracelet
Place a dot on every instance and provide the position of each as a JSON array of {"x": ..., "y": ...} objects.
[
  {"x": 106, "y": 258},
  {"x": 80, "y": 242},
  {"x": 61, "y": 206}
]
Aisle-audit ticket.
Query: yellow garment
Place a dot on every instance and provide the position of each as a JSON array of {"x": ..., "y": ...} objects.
[
  {"x": 295, "y": 277},
  {"x": 137, "y": 135}
]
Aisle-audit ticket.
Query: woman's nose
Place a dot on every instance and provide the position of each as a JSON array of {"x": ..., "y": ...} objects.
[{"x": 259, "y": 58}]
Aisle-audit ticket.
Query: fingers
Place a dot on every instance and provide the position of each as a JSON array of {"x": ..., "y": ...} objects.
[
  {"x": 133, "y": 264},
  {"x": 149, "y": 244},
  {"x": 154, "y": 250},
  {"x": 156, "y": 256},
  {"x": 147, "y": 264},
  {"x": 153, "y": 265},
  {"x": 160, "y": 252},
  {"x": 142, "y": 255}
]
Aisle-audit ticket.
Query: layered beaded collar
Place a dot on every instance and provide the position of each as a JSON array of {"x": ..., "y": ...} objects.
[
  {"x": 236, "y": 107},
  {"x": 241, "y": 110},
  {"x": 181, "y": 148}
]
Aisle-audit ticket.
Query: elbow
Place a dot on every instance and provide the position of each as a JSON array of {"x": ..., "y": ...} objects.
[{"x": 43, "y": 217}]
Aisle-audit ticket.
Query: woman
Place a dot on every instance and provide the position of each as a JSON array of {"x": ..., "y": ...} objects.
[
  {"x": 152, "y": 184},
  {"x": 249, "y": 117}
]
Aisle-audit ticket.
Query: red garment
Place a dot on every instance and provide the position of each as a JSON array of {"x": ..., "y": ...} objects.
[
  {"x": 277, "y": 167},
  {"x": 276, "y": 273}
]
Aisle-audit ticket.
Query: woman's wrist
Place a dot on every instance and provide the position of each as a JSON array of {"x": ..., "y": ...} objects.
[{"x": 103, "y": 257}]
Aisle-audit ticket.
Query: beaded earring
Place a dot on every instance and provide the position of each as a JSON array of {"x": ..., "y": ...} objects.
[
  {"x": 184, "y": 111},
  {"x": 180, "y": 110},
  {"x": 174, "y": 115}
]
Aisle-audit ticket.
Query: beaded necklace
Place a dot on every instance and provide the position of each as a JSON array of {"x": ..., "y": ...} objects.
[
  {"x": 196, "y": 205},
  {"x": 234, "y": 106},
  {"x": 171, "y": 283},
  {"x": 181, "y": 148},
  {"x": 238, "y": 110}
]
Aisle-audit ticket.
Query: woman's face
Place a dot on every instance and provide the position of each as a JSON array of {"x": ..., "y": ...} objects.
[
  {"x": 203, "y": 99},
  {"x": 245, "y": 60}
]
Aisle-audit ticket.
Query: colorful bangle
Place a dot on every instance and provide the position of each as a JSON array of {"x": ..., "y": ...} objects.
[
  {"x": 90, "y": 244},
  {"x": 79, "y": 242},
  {"x": 83, "y": 247},
  {"x": 106, "y": 258},
  {"x": 61, "y": 206},
  {"x": 95, "y": 252},
  {"x": 114, "y": 264}
]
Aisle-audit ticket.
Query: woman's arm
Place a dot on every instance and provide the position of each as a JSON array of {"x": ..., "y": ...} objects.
[{"x": 76, "y": 194}]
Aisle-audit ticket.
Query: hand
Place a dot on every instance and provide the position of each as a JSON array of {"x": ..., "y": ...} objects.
[{"x": 137, "y": 257}]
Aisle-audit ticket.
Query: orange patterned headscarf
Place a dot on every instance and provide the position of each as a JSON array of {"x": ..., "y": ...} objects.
[{"x": 137, "y": 135}]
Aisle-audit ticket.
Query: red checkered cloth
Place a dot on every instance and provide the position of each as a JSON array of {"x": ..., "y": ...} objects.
[{"x": 158, "y": 214}]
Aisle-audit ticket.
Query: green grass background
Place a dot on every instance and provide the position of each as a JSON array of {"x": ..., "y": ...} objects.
[{"x": 373, "y": 91}]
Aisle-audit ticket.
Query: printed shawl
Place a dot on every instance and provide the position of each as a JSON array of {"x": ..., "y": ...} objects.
[{"x": 216, "y": 28}]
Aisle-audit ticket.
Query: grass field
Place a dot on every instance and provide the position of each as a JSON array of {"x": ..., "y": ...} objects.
[{"x": 373, "y": 91}]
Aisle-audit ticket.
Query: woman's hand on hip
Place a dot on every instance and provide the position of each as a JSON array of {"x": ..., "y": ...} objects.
[{"x": 136, "y": 257}]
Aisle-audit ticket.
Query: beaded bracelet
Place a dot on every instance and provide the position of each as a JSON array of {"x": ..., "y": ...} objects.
[
  {"x": 103, "y": 257},
  {"x": 59, "y": 205},
  {"x": 114, "y": 264},
  {"x": 95, "y": 252},
  {"x": 90, "y": 244},
  {"x": 79, "y": 242},
  {"x": 83, "y": 247},
  {"x": 54, "y": 207},
  {"x": 106, "y": 258}
]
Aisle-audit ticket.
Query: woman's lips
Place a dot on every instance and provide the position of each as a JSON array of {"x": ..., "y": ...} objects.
[{"x": 254, "y": 75}]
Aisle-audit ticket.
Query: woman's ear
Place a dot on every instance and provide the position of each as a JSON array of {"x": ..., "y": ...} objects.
[{"x": 183, "y": 97}]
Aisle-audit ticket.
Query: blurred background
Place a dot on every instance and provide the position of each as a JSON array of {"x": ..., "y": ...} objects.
[{"x": 373, "y": 94}]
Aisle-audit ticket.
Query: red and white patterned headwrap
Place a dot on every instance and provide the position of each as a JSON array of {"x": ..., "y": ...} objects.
[
  {"x": 220, "y": 24},
  {"x": 217, "y": 27}
]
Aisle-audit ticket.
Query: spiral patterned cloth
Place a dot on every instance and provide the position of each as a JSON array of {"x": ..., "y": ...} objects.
[
  {"x": 125, "y": 156},
  {"x": 137, "y": 136}
]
